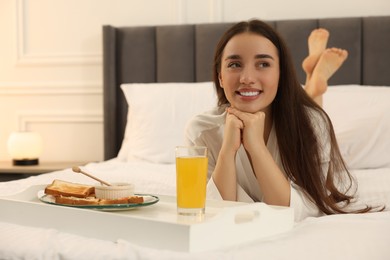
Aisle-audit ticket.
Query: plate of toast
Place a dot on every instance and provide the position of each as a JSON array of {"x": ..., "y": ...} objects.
[{"x": 69, "y": 194}]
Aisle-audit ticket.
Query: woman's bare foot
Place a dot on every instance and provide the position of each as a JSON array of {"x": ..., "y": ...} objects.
[
  {"x": 329, "y": 62},
  {"x": 317, "y": 42}
]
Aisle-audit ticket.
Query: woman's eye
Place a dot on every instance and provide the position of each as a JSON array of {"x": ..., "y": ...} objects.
[
  {"x": 233, "y": 65},
  {"x": 263, "y": 64}
]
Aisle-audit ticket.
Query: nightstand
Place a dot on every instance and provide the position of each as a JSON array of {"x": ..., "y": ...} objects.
[{"x": 9, "y": 172}]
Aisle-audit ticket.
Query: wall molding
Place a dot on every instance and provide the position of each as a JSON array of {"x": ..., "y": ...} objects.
[
  {"x": 26, "y": 118},
  {"x": 181, "y": 15},
  {"x": 24, "y": 57},
  {"x": 45, "y": 59},
  {"x": 213, "y": 10},
  {"x": 216, "y": 10},
  {"x": 51, "y": 88}
]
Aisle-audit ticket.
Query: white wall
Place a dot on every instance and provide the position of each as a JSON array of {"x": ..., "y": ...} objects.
[{"x": 51, "y": 58}]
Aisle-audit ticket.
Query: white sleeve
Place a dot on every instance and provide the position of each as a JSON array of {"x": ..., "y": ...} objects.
[
  {"x": 213, "y": 193},
  {"x": 303, "y": 207}
]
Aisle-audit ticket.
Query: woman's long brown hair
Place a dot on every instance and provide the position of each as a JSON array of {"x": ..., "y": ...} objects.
[{"x": 299, "y": 147}]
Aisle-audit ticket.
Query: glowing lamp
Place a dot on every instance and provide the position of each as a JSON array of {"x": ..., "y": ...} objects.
[{"x": 25, "y": 148}]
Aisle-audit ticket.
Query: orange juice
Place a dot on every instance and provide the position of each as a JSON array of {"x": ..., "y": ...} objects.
[{"x": 191, "y": 178}]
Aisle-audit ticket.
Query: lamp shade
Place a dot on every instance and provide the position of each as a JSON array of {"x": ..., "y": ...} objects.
[{"x": 25, "y": 147}]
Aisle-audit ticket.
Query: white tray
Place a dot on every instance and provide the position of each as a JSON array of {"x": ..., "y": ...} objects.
[{"x": 157, "y": 226}]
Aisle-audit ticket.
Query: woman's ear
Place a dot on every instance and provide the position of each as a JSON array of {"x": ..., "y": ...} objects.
[{"x": 220, "y": 80}]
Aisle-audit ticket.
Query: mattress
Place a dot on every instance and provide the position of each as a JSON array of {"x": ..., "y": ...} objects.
[{"x": 352, "y": 236}]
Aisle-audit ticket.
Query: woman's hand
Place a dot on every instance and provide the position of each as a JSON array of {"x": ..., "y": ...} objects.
[
  {"x": 224, "y": 175},
  {"x": 252, "y": 126},
  {"x": 232, "y": 133}
]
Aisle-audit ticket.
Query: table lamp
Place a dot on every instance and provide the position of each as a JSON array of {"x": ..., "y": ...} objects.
[{"x": 25, "y": 148}]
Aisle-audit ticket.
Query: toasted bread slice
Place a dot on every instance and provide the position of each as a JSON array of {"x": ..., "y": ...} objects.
[
  {"x": 135, "y": 199},
  {"x": 126, "y": 200},
  {"x": 76, "y": 201},
  {"x": 59, "y": 187},
  {"x": 94, "y": 201},
  {"x": 113, "y": 201}
]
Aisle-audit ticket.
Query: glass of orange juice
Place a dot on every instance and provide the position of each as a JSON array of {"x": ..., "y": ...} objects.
[{"x": 191, "y": 179}]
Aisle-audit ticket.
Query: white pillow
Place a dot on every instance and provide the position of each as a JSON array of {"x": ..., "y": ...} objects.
[
  {"x": 157, "y": 115},
  {"x": 361, "y": 119}
]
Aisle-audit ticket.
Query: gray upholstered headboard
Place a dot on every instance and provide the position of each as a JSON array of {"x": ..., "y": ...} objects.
[{"x": 184, "y": 53}]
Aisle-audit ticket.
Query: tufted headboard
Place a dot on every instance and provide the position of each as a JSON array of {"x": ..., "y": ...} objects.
[{"x": 184, "y": 53}]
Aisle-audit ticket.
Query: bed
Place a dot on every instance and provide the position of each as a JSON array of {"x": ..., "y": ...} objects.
[{"x": 157, "y": 77}]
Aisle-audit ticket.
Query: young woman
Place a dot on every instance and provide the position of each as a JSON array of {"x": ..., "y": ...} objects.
[{"x": 268, "y": 139}]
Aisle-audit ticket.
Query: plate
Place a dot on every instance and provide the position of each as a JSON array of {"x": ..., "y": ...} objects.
[{"x": 148, "y": 200}]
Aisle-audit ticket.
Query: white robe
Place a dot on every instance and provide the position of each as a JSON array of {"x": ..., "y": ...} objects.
[{"x": 207, "y": 130}]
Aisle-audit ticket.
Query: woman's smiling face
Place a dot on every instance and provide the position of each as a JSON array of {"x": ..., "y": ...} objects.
[{"x": 250, "y": 72}]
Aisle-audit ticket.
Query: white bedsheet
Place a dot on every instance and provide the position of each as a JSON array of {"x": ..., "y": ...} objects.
[
  {"x": 147, "y": 177},
  {"x": 360, "y": 236}
]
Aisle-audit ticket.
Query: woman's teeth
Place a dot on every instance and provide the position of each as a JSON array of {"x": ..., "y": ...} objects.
[{"x": 249, "y": 94}]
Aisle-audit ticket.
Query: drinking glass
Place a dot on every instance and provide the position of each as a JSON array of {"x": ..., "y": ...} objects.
[{"x": 191, "y": 179}]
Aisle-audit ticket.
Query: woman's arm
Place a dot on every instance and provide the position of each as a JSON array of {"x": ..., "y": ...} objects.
[
  {"x": 224, "y": 175},
  {"x": 273, "y": 183}
]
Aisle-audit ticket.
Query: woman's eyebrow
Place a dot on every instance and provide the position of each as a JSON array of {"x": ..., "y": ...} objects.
[
  {"x": 257, "y": 56},
  {"x": 233, "y": 57},
  {"x": 264, "y": 56}
]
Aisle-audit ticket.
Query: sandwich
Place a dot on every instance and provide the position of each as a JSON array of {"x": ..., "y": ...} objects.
[
  {"x": 76, "y": 201},
  {"x": 69, "y": 193},
  {"x": 69, "y": 189}
]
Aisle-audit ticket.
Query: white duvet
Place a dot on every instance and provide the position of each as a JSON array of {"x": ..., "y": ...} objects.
[{"x": 362, "y": 236}]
